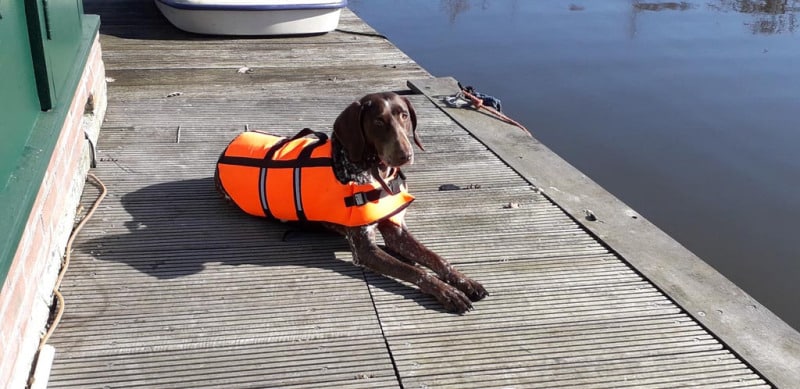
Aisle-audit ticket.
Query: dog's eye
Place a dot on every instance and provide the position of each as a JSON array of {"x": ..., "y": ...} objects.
[{"x": 404, "y": 115}]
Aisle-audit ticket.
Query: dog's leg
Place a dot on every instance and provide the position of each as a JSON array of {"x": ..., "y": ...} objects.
[
  {"x": 399, "y": 239},
  {"x": 338, "y": 228},
  {"x": 367, "y": 253}
]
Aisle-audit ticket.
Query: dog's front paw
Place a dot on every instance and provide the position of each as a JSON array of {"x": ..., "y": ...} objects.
[
  {"x": 451, "y": 298},
  {"x": 473, "y": 289},
  {"x": 454, "y": 300}
]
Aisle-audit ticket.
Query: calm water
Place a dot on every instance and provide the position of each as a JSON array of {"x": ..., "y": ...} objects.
[{"x": 686, "y": 111}]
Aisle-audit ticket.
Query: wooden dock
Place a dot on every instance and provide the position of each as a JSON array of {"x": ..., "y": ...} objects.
[{"x": 171, "y": 287}]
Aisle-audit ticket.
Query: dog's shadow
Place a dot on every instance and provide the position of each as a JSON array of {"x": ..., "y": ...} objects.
[{"x": 179, "y": 228}]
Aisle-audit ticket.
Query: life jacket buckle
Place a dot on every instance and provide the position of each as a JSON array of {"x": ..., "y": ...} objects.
[
  {"x": 360, "y": 198},
  {"x": 396, "y": 186}
]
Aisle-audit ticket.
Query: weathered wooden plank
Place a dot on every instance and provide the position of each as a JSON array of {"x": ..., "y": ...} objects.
[
  {"x": 349, "y": 362},
  {"x": 234, "y": 59},
  {"x": 194, "y": 81},
  {"x": 228, "y": 116}
]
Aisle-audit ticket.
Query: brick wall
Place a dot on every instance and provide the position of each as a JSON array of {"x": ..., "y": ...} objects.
[{"x": 27, "y": 295}]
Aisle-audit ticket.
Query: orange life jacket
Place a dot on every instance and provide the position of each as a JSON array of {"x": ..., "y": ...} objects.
[{"x": 293, "y": 179}]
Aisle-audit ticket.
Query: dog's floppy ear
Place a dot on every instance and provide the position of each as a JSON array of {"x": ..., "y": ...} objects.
[
  {"x": 348, "y": 131},
  {"x": 413, "y": 113}
]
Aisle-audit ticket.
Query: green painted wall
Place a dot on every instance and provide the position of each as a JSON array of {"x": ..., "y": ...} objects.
[
  {"x": 20, "y": 103},
  {"x": 44, "y": 45}
]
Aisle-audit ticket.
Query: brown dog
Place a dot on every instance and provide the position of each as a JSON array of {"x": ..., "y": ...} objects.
[{"x": 371, "y": 141}]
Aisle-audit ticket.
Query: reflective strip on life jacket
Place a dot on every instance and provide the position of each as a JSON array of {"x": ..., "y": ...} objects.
[{"x": 292, "y": 179}]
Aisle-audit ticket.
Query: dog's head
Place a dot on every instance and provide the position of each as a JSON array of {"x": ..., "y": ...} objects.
[{"x": 379, "y": 126}]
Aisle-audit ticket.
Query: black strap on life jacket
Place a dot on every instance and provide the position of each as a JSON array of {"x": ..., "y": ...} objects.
[
  {"x": 304, "y": 160},
  {"x": 266, "y": 163},
  {"x": 262, "y": 177},
  {"x": 269, "y": 163},
  {"x": 394, "y": 185}
]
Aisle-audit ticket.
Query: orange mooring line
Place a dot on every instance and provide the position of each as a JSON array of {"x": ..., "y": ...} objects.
[{"x": 478, "y": 104}]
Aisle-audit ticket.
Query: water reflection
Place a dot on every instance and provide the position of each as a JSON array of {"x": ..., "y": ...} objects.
[
  {"x": 682, "y": 6},
  {"x": 455, "y": 7},
  {"x": 638, "y": 7},
  {"x": 769, "y": 16}
]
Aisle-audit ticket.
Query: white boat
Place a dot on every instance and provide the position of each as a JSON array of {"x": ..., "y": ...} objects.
[{"x": 253, "y": 17}]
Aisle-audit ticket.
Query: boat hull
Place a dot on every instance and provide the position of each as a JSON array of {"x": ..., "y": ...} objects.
[{"x": 252, "y": 17}]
